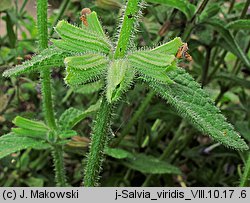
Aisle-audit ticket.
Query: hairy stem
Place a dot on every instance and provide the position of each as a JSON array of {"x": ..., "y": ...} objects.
[
  {"x": 128, "y": 24},
  {"x": 59, "y": 166},
  {"x": 98, "y": 142},
  {"x": 102, "y": 125},
  {"x": 42, "y": 7}
]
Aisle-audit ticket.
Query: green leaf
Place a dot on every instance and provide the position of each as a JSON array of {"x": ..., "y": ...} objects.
[
  {"x": 243, "y": 24},
  {"x": 84, "y": 39},
  {"x": 169, "y": 48},
  {"x": 150, "y": 165},
  {"x": 5, "y": 5},
  {"x": 117, "y": 153},
  {"x": 51, "y": 57},
  {"x": 231, "y": 77},
  {"x": 94, "y": 24},
  {"x": 119, "y": 77},
  {"x": 90, "y": 88},
  {"x": 11, "y": 143},
  {"x": 29, "y": 133},
  {"x": 243, "y": 128},
  {"x": 183, "y": 5},
  {"x": 30, "y": 124},
  {"x": 229, "y": 41},
  {"x": 209, "y": 12},
  {"x": 154, "y": 66},
  {"x": 73, "y": 116},
  {"x": 67, "y": 134},
  {"x": 192, "y": 103},
  {"x": 85, "y": 68}
]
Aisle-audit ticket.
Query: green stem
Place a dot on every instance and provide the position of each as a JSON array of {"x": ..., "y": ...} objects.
[
  {"x": 98, "y": 142},
  {"x": 143, "y": 106},
  {"x": 245, "y": 179},
  {"x": 127, "y": 29},
  {"x": 59, "y": 166},
  {"x": 101, "y": 127},
  {"x": 42, "y": 7}
]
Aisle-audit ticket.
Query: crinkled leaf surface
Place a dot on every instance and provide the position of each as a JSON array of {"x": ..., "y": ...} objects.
[
  {"x": 192, "y": 103},
  {"x": 85, "y": 68},
  {"x": 11, "y": 143},
  {"x": 83, "y": 39},
  {"x": 72, "y": 116},
  {"x": 51, "y": 57}
]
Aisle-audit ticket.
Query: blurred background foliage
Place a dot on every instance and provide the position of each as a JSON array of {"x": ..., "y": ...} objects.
[{"x": 157, "y": 131}]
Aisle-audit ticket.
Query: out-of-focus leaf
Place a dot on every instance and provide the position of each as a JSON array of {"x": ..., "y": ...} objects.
[
  {"x": 183, "y": 5},
  {"x": 243, "y": 128},
  {"x": 243, "y": 24},
  {"x": 5, "y": 4},
  {"x": 150, "y": 165},
  {"x": 239, "y": 81},
  {"x": 229, "y": 41},
  {"x": 117, "y": 153},
  {"x": 72, "y": 116},
  {"x": 209, "y": 12},
  {"x": 10, "y": 30}
]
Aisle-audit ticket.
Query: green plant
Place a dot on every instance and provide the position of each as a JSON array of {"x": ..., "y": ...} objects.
[{"x": 89, "y": 56}]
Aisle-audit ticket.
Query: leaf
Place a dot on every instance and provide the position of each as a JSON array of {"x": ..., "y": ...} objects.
[
  {"x": 243, "y": 128},
  {"x": 29, "y": 133},
  {"x": 5, "y": 5},
  {"x": 154, "y": 66},
  {"x": 94, "y": 24},
  {"x": 81, "y": 38},
  {"x": 73, "y": 116},
  {"x": 229, "y": 41},
  {"x": 117, "y": 153},
  {"x": 30, "y": 128},
  {"x": 169, "y": 48},
  {"x": 239, "y": 81},
  {"x": 183, "y": 5},
  {"x": 243, "y": 24},
  {"x": 150, "y": 165},
  {"x": 209, "y": 12},
  {"x": 30, "y": 124},
  {"x": 11, "y": 143},
  {"x": 192, "y": 103},
  {"x": 119, "y": 77},
  {"x": 85, "y": 68},
  {"x": 90, "y": 88},
  {"x": 51, "y": 57},
  {"x": 67, "y": 134}
]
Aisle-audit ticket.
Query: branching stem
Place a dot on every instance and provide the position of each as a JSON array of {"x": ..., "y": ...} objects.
[
  {"x": 102, "y": 125},
  {"x": 42, "y": 7}
]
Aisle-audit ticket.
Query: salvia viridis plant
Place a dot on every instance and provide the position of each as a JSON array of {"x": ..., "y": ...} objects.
[{"x": 90, "y": 57}]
